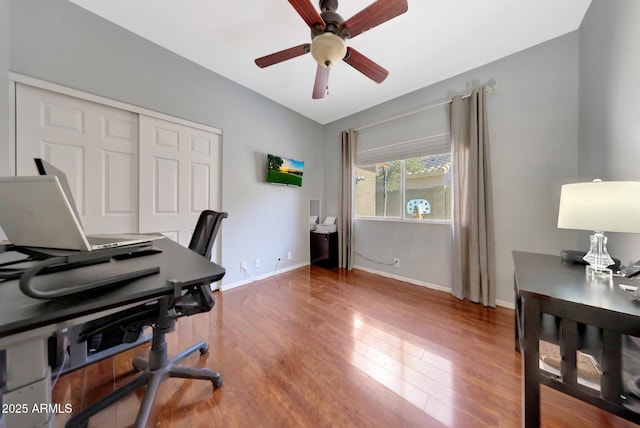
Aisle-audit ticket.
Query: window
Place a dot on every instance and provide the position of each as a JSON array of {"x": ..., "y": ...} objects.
[{"x": 417, "y": 189}]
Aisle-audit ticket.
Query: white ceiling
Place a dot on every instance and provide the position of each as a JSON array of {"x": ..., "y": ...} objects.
[{"x": 434, "y": 40}]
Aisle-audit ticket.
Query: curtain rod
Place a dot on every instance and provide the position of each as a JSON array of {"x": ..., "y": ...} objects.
[{"x": 489, "y": 89}]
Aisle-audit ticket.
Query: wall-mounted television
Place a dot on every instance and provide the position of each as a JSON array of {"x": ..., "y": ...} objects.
[{"x": 284, "y": 171}]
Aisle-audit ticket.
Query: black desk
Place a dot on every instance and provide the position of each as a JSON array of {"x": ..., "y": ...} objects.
[
  {"x": 546, "y": 285},
  {"x": 26, "y": 323}
]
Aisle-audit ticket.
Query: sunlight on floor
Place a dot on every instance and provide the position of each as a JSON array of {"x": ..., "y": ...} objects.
[{"x": 418, "y": 376}]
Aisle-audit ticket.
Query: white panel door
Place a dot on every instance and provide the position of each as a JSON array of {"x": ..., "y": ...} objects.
[
  {"x": 179, "y": 177},
  {"x": 95, "y": 145}
]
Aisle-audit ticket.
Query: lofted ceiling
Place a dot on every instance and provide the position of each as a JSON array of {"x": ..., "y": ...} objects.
[{"x": 434, "y": 40}]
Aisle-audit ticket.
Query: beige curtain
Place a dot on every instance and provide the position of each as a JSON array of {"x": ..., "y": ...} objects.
[
  {"x": 347, "y": 159},
  {"x": 472, "y": 217}
]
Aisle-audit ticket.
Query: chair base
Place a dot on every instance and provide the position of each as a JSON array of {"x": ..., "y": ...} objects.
[{"x": 154, "y": 370}]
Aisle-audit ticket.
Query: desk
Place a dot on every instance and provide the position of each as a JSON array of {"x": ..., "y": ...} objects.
[
  {"x": 545, "y": 284},
  {"x": 26, "y": 323}
]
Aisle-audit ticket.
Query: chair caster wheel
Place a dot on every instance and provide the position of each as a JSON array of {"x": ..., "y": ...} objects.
[
  {"x": 217, "y": 383},
  {"x": 204, "y": 349}
]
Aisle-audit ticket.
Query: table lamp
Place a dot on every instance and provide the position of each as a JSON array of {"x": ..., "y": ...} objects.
[{"x": 601, "y": 206}]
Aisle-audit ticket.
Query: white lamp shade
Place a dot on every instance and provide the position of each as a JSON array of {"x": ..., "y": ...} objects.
[{"x": 604, "y": 206}]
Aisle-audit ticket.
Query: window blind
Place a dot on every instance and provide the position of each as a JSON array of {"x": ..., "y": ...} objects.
[
  {"x": 418, "y": 135},
  {"x": 424, "y": 146}
]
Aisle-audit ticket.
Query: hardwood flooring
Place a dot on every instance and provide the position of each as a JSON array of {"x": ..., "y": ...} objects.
[{"x": 319, "y": 348}]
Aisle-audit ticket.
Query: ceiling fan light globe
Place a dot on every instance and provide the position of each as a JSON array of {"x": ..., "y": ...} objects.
[{"x": 328, "y": 49}]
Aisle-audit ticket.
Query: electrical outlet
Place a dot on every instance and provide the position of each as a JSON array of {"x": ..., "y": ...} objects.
[
  {"x": 289, "y": 255},
  {"x": 396, "y": 262},
  {"x": 243, "y": 266},
  {"x": 257, "y": 263}
]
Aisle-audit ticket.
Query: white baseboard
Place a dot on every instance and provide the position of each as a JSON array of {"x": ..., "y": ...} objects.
[
  {"x": 508, "y": 305},
  {"x": 405, "y": 279},
  {"x": 225, "y": 287},
  {"x": 251, "y": 279}
]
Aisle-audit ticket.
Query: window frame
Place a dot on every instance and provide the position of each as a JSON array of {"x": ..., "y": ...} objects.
[{"x": 402, "y": 218}]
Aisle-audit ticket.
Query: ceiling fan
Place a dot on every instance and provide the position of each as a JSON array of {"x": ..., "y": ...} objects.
[{"x": 328, "y": 33}]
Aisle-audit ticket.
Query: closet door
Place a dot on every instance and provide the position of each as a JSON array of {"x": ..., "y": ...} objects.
[
  {"x": 179, "y": 177},
  {"x": 94, "y": 144}
]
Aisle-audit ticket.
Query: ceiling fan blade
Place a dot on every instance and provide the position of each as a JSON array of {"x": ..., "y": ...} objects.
[
  {"x": 365, "y": 66},
  {"x": 322, "y": 82},
  {"x": 283, "y": 55},
  {"x": 373, "y": 15},
  {"x": 308, "y": 13}
]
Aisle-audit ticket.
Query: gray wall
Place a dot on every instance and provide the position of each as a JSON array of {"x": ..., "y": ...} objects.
[
  {"x": 57, "y": 41},
  {"x": 609, "y": 145},
  {"x": 534, "y": 130},
  {"x": 4, "y": 87},
  {"x": 533, "y": 126}
]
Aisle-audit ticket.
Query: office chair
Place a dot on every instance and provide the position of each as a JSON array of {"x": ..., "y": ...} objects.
[{"x": 161, "y": 315}]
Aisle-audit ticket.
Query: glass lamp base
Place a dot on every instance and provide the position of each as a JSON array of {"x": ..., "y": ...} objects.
[
  {"x": 598, "y": 258},
  {"x": 593, "y": 273}
]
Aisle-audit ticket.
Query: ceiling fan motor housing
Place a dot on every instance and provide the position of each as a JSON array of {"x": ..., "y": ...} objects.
[
  {"x": 328, "y": 46},
  {"x": 333, "y": 22}
]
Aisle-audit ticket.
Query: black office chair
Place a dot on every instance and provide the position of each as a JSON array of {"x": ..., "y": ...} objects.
[{"x": 161, "y": 315}]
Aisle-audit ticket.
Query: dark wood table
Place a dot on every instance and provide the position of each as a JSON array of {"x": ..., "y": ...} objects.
[
  {"x": 544, "y": 284},
  {"x": 26, "y": 323}
]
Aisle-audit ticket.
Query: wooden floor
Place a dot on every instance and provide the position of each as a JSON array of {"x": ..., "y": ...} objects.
[{"x": 319, "y": 348}]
